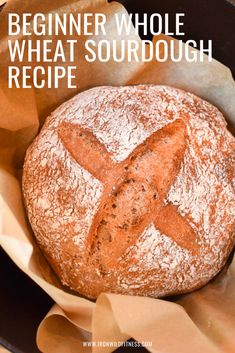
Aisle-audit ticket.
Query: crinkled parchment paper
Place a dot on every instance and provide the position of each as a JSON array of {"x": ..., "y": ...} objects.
[{"x": 203, "y": 321}]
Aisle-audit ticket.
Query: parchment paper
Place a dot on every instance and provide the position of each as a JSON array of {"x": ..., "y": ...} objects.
[{"x": 203, "y": 321}]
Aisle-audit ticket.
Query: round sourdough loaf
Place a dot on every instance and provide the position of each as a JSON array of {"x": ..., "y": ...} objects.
[{"x": 131, "y": 190}]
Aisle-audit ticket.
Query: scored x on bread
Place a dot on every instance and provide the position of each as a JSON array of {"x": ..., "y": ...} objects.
[{"x": 131, "y": 190}]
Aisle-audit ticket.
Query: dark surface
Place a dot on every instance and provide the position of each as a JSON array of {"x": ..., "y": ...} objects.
[
  {"x": 204, "y": 19},
  {"x": 22, "y": 306},
  {"x": 22, "y": 303}
]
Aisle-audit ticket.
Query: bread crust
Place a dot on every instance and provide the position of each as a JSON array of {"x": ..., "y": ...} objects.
[{"x": 131, "y": 190}]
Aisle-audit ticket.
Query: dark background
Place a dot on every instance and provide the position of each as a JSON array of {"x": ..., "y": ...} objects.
[
  {"x": 204, "y": 19},
  {"x": 22, "y": 303}
]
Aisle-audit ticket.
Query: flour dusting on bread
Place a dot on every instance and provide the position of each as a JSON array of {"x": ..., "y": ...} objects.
[{"x": 131, "y": 190}]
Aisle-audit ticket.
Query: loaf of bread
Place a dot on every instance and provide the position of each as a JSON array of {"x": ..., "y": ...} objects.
[{"x": 131, "y": 190}]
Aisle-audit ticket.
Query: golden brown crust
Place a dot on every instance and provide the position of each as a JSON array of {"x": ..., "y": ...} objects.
[{"x": 131, "y": 190}]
